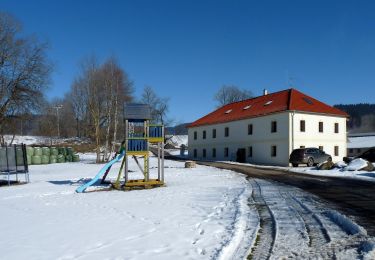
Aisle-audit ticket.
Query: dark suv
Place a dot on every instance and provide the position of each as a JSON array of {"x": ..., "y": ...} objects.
[{"x": 309, "y": 156}]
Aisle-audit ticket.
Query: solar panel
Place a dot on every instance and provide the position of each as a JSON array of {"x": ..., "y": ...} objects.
[{"x": 307, "y": 100}]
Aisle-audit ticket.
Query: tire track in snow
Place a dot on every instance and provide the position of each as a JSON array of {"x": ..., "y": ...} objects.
[
  {"x": 316, "y": 231},
  {"x": 266, "y": 237}
]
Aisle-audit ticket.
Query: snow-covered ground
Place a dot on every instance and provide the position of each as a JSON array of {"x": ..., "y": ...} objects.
[
  {"x": 41, "y": 140},
  {"x": 363, "y": 175},
  {"x": 336, "y": 172},
  {"x": 202, "y": 213}
]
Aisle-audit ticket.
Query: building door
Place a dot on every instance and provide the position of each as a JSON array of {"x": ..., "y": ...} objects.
[{"x": 241, "y": 155}]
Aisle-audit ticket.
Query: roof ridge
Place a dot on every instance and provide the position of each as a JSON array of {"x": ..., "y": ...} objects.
[{"x": 273, "y": 93}]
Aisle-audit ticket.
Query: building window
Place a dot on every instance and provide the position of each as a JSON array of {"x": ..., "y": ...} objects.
[
  {"x": 195, "y": 153},
  {"x": 213, "y": 133},
  {"x": 195, "y": 135},
  {"x": 321, "y": 148},
  {"x": 226, "y": 131},
  {"x": 226, "y": 152},
  {"x": 320, "y": 127},
  {"x": 204, "y": 153},
  {"x": 204, "y": 134},
  {"x": 302, "y": 126},
  {"x": 250, "y": 151},
  {"x": 359, "y": 150},
  {"x": 273, "y": 150},
  {"x": 302, "y": 146},
  {"x": 336, "y": 150},
  {"x": 351, "y": 150},
  {"x": 336, "y": 128},
  {"x": 273, "y": 127},
  {"x": 213, "y": 152},
  {"x": 250, "y": 129}
]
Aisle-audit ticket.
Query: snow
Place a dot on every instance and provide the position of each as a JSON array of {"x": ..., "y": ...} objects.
[
  {"x": 201, "y": 213},
  {"x": 336, "y": 172},
  {"x": 178, "y": 140},
  {"x": 361, "y": 142},
  {"x": 356, "y": 164},
  {"x": 42, "y": 140}
]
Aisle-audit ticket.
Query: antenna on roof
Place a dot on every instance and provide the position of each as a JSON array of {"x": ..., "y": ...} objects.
[{"x": 289, "y": 80}]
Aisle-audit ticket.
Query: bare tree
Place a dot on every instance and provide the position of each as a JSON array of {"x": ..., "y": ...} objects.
[
  {"x": 78, "y": 99},
  {"x": 24, "y": 69},
  {"x": 97, "y": 96},
  {"x": 230, "y": 93},
  {"x": 159, "y": 106}
]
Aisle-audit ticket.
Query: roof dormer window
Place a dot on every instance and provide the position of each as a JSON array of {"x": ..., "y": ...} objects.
[
  {"x": 228, "y": 111},
  {"x": 268, "y": 103},
  {"x": 307, "y": 100},
  {"x": 247, "y": 107}
]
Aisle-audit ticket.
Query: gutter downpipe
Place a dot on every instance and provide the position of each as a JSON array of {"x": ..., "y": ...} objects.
[{"x": 293, "y": 113}]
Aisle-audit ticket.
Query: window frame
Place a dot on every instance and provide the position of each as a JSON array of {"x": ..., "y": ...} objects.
[
  {"x": 250, "y": 129},
  {"x": 321, "y": 127},
  {"x": 273, "y": 150},
  {"x": 204, "y": 134},
  {"x": 336, "y": 150},
  {"x": 226, "y": 131},
  {"x": 250, "y": 151},
  {"x": 302, "y": 126},
  {"x": 226, "y": 152},
  {"x": 273, "y": 126}
]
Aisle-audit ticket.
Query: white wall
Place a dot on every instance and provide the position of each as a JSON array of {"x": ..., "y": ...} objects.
[
  {"x": 313, "y": 138},
  {"x": 261, "y": 140}
]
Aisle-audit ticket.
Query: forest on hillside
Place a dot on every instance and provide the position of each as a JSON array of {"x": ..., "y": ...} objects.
[{"x": 362, "y": 117}]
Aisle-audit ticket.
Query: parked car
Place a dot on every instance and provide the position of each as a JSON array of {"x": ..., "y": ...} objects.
[
  {"x": 368, "y": 155},
  {"x": 309, "y": 156}
]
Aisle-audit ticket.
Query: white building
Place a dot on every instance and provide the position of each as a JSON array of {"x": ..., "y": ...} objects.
[
  {"x": 266, "y": 129},
  {"x": 359, "y": 143}
]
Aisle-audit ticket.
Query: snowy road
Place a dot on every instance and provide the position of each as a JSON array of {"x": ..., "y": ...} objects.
[
  {"x": 295, "y": 224},
  {"x": 202, "y": 213}
]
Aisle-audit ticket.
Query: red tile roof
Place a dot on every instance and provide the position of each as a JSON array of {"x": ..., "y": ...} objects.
[{"x": 286, "y": 100}]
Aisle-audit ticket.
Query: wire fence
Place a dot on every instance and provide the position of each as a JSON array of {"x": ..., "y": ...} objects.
[{"x": 13, "y": 161}]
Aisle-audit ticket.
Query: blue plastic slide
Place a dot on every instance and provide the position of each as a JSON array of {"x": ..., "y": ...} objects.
[{"x": 100, "y": 174}]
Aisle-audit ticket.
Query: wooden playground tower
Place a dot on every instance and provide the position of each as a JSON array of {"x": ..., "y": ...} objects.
[{"x": 140, "y": 134}]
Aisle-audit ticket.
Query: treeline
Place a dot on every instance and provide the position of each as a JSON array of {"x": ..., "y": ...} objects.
[
  {"x": 93, "y": 108},
  {"x": 362, "y": 117}
]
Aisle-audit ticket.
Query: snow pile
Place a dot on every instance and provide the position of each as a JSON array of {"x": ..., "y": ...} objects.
[
  {"x": 346, "y": 224},
  {"x": 340, "y": 164},
  {"x": 368, "y": 248},
  {"x": 177, "y": 140},
  {"x": 356, "y": 164}
]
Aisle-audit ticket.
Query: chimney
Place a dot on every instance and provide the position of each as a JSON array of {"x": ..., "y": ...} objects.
[{"x": 265, "y": 92}]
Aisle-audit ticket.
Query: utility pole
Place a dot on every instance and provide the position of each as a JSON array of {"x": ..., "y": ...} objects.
[{"x": 58, "y": 107}]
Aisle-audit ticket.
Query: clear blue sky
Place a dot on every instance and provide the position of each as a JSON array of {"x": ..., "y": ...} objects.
[{"x": 187, "y": 49}]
